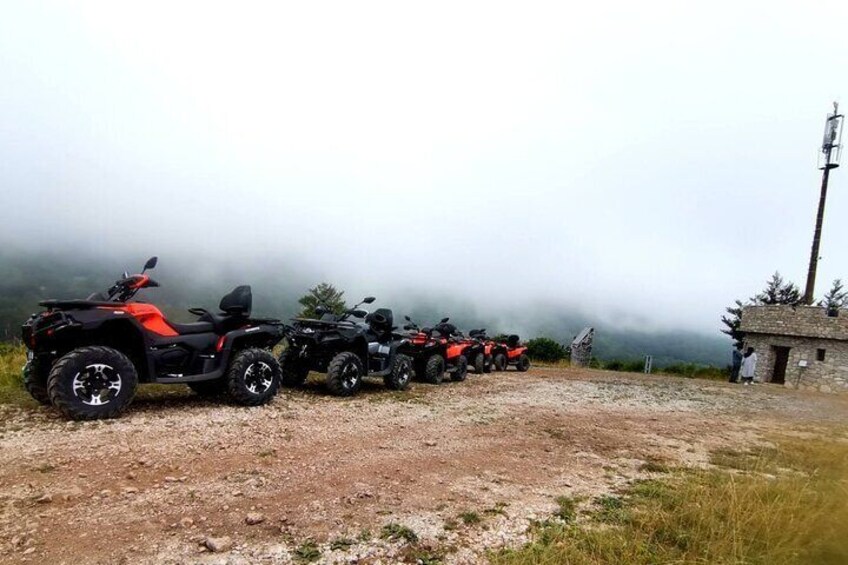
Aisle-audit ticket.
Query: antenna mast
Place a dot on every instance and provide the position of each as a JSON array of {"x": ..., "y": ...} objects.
[{"x": 831, "y": 151}]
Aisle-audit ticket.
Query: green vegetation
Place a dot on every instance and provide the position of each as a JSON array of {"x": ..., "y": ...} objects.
[
  {"x": 325, "y": 295},
  {"x": 567, "y": 510},
  {"x": 395, "y": 532},
  {"x": 784, "y": 504},
  {"x": 307, "y": 552},
  {"x": 546, "y": 350},
  {"x": 12, "y": 360},
  {"x": 469, "y": 518}
]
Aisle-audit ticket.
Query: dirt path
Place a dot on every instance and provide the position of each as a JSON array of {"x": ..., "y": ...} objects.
[{"x": 176, "y": 470}]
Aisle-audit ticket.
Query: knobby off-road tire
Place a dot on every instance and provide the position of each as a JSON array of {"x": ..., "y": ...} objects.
[
  {"x": 209, "y": 389},
  {"x": 294, "y": 369},
  {"x": 91, "y": 383},
  {"x": 401, "y": 373},
  {"x": 344, "y": 374},
  {"x": 461, "y": 370},
  {"x": 434, "y": 370},
  {"x": 487, "y": 364},
  {"x": 253, "y": 377},
  {"x": 35, "y": 380},
  {"x": 479, "y": 363},
  {"x": 523, "y": 363},
  {"x": 499, "y": 362}
]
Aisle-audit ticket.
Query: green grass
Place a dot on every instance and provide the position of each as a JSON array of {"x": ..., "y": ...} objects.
[
  {"x": 470, "y": 518},
  {"x": 396, "y": 532},
  {"x": 567, "y": 510},
  {"x": 12, "y": 360},
  {"x": 784, "y": 504},
  {"x": 307, "y": 552}
]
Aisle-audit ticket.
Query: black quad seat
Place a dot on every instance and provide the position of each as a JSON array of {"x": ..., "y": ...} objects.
[{"x": 193, "y": 328}]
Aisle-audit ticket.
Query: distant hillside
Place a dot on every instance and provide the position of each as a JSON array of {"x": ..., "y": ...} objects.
[{"x": 29, "y": 278}]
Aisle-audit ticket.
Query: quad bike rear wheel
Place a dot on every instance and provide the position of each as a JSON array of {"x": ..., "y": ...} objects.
[
  {"x": 487, "y": 365},
  {"x": 344, "y": 374},
  {"x": 209, "y": 389},
  {"x": 523, "y": 363},
  {"x": 35, "y": 380},
  {"x": 253, "y": 377},
  {"x": 479, "y": 363},
  {"x": 91, "y": 383},
  {"x": 461, "y": 370},
  {"x": 294, "y": 369},
  {"x": 434, "y": 370},
  {"x": 401, "y": 373},
  {"x": 499, "y": 362}
]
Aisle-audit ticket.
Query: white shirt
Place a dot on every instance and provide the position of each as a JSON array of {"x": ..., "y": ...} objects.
[{"x": 749, "y": 365}]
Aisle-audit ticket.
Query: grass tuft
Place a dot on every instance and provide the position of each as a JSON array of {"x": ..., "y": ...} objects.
[{"x": 395, "y": 532}]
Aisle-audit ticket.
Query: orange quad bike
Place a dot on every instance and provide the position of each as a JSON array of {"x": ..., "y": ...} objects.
[
  {"x": 494, "y": 354},
  {"x": 436, "y": 352},
  {"x": 516, "y": 354}
]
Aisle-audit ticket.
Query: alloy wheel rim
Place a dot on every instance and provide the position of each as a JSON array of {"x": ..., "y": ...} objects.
[
  {"x": 258, "y": 377},
  {"x": 97, "y": 384},
  {"x": 350, "y": 375}
]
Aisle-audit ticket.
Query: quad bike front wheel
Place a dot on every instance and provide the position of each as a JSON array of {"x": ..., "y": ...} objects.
[
  {"x": 434, "y": 370},
  {"x": 344, "y": 374},
  {"x": 253, "y": 377},
  {"x": 35, "y": 380},
  {"x": 401, "y": 373},
  {"x": 91, "y": 383},
  {"x": 523, "y": 363},
  {"x": 294, "y": 369},
  {"x": 499, "y": 362},
  {"x": 461, "y": 370},
  {"x": 479, "y": 363},
  {"x": 487, "y": 364}
]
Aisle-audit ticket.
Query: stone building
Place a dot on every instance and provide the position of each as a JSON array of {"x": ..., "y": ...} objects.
[
  {"x": 804, "y": 347},
  {"x": 581, "y": 347}
]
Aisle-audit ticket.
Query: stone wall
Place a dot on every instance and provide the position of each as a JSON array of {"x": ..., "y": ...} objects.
[
  {"x": 799, "y": 321},
  {"x": 830, "y": 375}
]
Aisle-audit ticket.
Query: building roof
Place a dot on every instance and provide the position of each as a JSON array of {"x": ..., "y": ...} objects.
[{"x": 798, "y": 321}]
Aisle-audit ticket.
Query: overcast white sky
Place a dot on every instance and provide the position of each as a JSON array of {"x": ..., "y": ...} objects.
[{"x": 645, "y": 159}]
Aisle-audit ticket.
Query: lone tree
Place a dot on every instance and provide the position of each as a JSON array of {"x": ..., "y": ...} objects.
[
  {"x": 325, "y": 295},
  {"x": 777, "y": 291},
  {"x": 836, "y": 297}
]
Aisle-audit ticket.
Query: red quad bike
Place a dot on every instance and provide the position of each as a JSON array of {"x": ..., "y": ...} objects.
[
  {"x": 436, "y": 351},
  {"x": 516, "y": 354},
  {"x": 86, "y": 357},
  {"x": 475, "y": 351},
  {"x": 494, "y": 353}
]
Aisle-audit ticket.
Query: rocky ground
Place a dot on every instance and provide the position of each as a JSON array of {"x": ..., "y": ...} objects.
[{"x": 461, "y": 467}]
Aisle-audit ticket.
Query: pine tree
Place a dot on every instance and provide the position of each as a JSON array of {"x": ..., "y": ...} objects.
[
  {"x": 325, "y": 295},
  {"x": 777, "y": 291},
  {"x": 836, "y": 297},
  {"x": 733, "y": 322}
]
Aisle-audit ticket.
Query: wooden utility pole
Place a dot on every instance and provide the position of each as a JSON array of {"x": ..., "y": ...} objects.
[{"x": 828, "y": 159}]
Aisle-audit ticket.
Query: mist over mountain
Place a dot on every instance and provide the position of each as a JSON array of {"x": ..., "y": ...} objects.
[{"x": 278, "y": 282}]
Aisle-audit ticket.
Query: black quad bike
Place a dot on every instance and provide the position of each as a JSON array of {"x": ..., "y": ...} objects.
[
  {"x": 475, "y": 351},
  {"x": 347, "y": 347},
  {"x": 86, "y": 357},
  {"x": 436, "y": 351}
]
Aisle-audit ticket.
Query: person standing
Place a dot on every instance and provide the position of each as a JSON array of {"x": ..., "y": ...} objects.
[
  {"x": 736, "y": 364},
  {"x": 749, "y": 366}
]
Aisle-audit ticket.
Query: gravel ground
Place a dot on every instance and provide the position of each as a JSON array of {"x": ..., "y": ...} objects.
[{"x": 180, "y": 479}]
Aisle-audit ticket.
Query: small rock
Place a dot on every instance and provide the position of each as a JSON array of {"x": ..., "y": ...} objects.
[
  {"x": 131, "y": 476},
  {"x": 171, "y": 479},
  {"x": 218, "y": 545},
  {"x": 45, "y": 499},
  {"x": 254, "y": 518},
  {"x": 29, "y": 551},
  {"x": 186, "y": 522},
  {"x": 130, "y": 490},
  {"x": 430, "y": 443}
]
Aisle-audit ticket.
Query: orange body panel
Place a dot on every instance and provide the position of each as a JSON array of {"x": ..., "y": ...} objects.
[
  {"x": 515, "y": 353},
  {"x": 150, "y": 317},
  {"x": 455, "y": 350}
]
